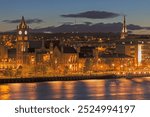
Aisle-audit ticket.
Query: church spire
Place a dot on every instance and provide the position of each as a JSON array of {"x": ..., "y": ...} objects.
[
  {"x": 23, "y": 19},
  {"x": 23, "y": 24},
  {"x": 124, "y": 32}
]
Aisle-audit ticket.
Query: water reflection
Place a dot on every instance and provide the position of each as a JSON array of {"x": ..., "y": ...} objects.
[
  {"x": 111, "y": 87},
  {"x": 43, "y": 91},
  {"x": 69, "y": 88},
  {"x": 4, "y": 92},
  {"x": 83, "y": 90},
  {"x": 25, "y": 91}
]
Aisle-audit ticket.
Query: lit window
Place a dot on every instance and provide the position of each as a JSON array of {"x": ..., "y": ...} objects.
[{"x": 123, "y": 42}]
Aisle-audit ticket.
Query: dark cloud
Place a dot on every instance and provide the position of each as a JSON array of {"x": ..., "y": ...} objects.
[
  {"x": 93, "y": 15},
  {"x": 134, "y": 27},
  {"x": 29, "y": 21}
]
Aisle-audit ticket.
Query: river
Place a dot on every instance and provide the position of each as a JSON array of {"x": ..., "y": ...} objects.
[{"x": 107, "y": 89}]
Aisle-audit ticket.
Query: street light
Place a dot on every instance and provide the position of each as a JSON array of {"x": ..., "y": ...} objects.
[
  {"x": 121, "y": 67},
  {"x": 113, "y": 65}
]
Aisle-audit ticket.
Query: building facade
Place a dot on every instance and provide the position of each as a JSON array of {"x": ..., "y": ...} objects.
[{"x": 22, "y": 43}]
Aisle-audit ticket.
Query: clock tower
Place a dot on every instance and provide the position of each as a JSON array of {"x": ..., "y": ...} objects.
[{"x": 22, "y": 43}]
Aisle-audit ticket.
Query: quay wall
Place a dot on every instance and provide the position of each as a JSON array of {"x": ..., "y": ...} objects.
[
  {"x": 68, "y": 78},
  {"x": 55, "y": 78}
]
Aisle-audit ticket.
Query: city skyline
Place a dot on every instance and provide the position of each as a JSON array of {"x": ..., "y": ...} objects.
[
  {"x": 49, "y": 13},
  {"x": 104, "y": 65}
]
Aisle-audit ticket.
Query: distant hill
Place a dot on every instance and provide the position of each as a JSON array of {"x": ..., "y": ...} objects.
[
  {"x": 98, "y": 27},
  {"x": 88, "y": 27}
]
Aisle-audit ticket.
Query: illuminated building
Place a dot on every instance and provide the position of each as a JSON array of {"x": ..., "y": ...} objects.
[
  {"x": 22, "y": 43},
  {"x": 65, "y": 58},
  {"x": 137, "y": 48},
  {"x": 3, "y": 52},
  {"x": 87, "y": 56},
  {"x": 116, "y": 61},
  {"x": 139, "y": 60},
  {"x": 68, "y": 54},
  {"x": 25, "y": 52}
]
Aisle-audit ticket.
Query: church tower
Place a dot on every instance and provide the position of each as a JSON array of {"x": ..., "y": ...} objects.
[
  {"x": 22, "y": 43},
  {"x": 124, "y": 32}
]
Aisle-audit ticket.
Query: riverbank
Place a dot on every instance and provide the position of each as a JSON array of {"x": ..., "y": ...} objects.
[
  {"x": 72, "y": 78},
  {"x": 133, "y": 75},
  {"x": 55, "y": 78}
]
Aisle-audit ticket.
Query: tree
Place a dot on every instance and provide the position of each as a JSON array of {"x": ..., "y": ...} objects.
[
  {"x": 66, "y": 69},
  {"x": 19, "y": 71},
  {"x": 8, "y": 72},
  {"x": 88, "y": 65}
]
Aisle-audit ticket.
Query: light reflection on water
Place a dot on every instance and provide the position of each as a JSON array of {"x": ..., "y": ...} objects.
[{"x": 138, "y": 88}]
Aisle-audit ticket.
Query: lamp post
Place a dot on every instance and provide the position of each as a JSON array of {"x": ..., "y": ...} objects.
[
  {"x": 121, "y": 68},
  {"x": 113, "y": 65}
]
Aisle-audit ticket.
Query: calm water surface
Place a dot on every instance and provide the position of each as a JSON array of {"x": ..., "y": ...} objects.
[{"x": 137, "y": 88}]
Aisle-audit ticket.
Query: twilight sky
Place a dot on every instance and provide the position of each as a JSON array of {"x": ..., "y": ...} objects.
[{"x": 44, "y": 13}]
